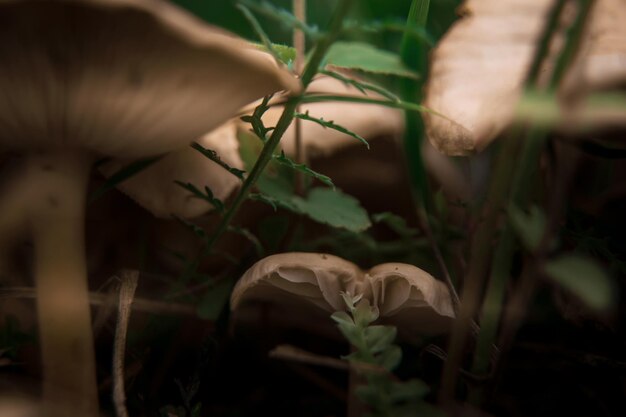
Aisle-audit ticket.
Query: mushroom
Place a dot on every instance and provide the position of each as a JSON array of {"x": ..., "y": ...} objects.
[
  {"x": 93, "y": 78},
  {"x": 312, "y": 283},
  {"x": 478, "y": 71},
  {"x": 155, "y": 189}
]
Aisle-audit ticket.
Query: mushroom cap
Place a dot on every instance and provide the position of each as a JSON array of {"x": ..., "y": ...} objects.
[
  {"x": 478, "y": 71},
  {"x": 367, "y": 120},
  {"x": 404, "y": 294},
  {"x": 601, "y": 62},
  {"x": 154, "y": 187},
  {"x": 124, "y": 78}
]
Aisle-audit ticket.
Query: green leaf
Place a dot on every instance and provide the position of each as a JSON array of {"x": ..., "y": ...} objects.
[
  {"x": 284, "y": 17},
  {"x": 379, "y": 338},
  {"x": 284, "y": 160},
  {"x": 352, "y": 334},
  {"x": 331, "y": 125},
  {"x": 365, "y": 57},
  {"x": 584, "y": 278},
  {"x": 264, "y": 199},
  {"x": 365, "y": 314},
  {"x": 362, "y": 86},
  {"x": 391, "y": 358},
  {"x": 213, "y": 156},
  {"x": 214, "y": 300},
  {"x": 206, "y": 196},
  {"x": 395, "y": 223},
  {"x": 409, "y": 391},
  {"x": 258, "y": 247},
  {"x": 342, "y": 317},
  {"x": 286, "y": 54},
  {"x": 122, "y": 175},
  {"x": 334, "y": 208},
  {"x": 413, "y": 30},
  {"x": 256, "y": 119},
  {"x": 530, "y": 227},
  {"x": 268, "y": 46},
  {"x": 197, "y": 230}
]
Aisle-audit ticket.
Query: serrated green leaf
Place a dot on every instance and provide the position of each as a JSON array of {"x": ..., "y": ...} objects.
[
  {"x": 530, "y": 227},
  {"x": 258, "y": 247},
  {"x": 352, "y": 334},
  {"x": 331, "y": 125},
  {"x": 284, "y": 160},
  {"x": 264, "y": 199},
  {"x": 214, "y": 300},
  {"x": 365, "y": 57},
  {"x": 122, "y": 175},
  {"x": 256, "y": 119},
  {"x": 284, "y": 17},
  {"x": 362, "y": 86},
  {"x": 584, "y": 278},
  {"x": 206, "y": 196},
  {"x": 379, "y": 338},
  {"x": 197, "y": 230},
  {"x": 213, "y": 156},
  {"x": 334, "y": 208}
]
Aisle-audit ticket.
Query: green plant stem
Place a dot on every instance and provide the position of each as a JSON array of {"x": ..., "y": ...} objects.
[
  {"x": 283, "y": 123},
  {"x": 480, "y": 255},
  {"x": 533, "y": 147}
]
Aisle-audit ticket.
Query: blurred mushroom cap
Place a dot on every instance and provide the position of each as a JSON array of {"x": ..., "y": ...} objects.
[
  {"x": 123, "y": 78},
  {"x": 404, "y": 294},
  {"x": 154, "y": 187},
  {"x": 478, "y": 71}
]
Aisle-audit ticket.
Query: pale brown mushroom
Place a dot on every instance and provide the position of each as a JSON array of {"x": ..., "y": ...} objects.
[
  {"x": 478, "y": 71},
  {"x": 312, "y": 282},
  {"x": 93, "y": 78}
]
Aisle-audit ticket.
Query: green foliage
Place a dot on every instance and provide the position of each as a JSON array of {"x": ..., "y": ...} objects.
[
  {"x": 122, "y": 175},
  {"x": 331, "y": 125},
  {"x": 302, "y": 168},
  {"x": 374, "y": 357},
  {"x": 256, "y": 119},
  {"x": 213, "y": 156},
  {"x": 362, "y": 86},
  {"x": 584, "y": 278},
  {"x": 365, "y": 57},
  {"x": 207, "y": 195},
  {"x": 529, "y": 227}
]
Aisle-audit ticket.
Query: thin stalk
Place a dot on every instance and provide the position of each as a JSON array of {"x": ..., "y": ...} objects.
[
  {"x": 283, "y": 123},
  {"x": 533, "y": 147},
  {"x": 480, "y": 256},
  {"x": 56, "y": 217},
  {"x": 299, "y": 43}
]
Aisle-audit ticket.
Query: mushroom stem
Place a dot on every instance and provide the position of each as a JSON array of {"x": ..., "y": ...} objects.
[{"x": 56, "y": 215}]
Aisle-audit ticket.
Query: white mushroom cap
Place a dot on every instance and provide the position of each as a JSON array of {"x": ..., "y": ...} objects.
[
  {"x": 404, "y": 294},
  {"x": 478, "y": 70},
  {"x": 154, "y": 187},
  {"x": 367, "y": 120},
  {"x": 124, "y": 78}
]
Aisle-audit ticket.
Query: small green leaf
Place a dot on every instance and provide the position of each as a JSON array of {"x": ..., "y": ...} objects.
[
  {"x": 284, "y": 160},
  {"x": 206, "y": 196},
  {"x": 258, "y": 247},
  {"x": 342, "y": 317},
  {"x": 584, "y": 278},
  {"x": 390, "y": 358},
  {"x": 334, "y": 208},
  {"x": 365, "y": 57},
  {"x": 362, "y": 86},
  {"x": 395, "y": 223},
  {"x": 122, "y": 175},
  {"x": 264, "y": 199},
  {"x": 365, "y": 314},
  {"x": 256, "y": 119},
  {"x": 284, "y": 17},
  {"x": 529, "y": 227},
  {"x": 379, "y": 338},
  {"x": 331, "y": 125},
  {"x": 409, "y": 391},
  {"x": 214, "y": 300},
  {"x": 197, "y": 230},
  {"x": 213, "y": 156}
]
